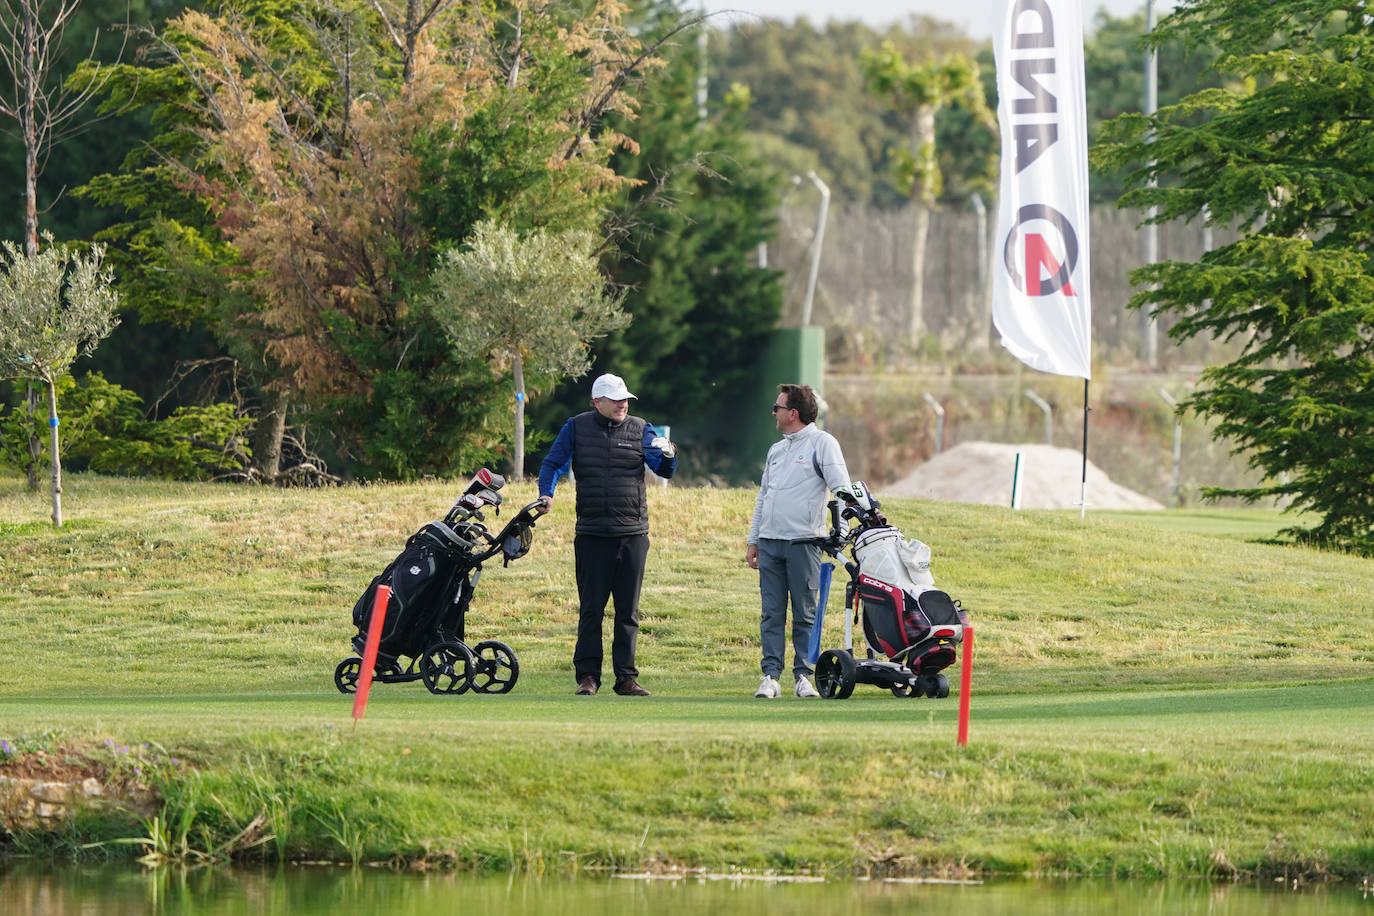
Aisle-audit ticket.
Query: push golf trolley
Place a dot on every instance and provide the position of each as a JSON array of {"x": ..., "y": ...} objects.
[
  {"x": 432, "y": 583},
  {"x": 913, "y": 624}
]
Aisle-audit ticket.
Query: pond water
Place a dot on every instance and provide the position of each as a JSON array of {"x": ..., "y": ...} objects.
[{"x": 109, "y": 891}]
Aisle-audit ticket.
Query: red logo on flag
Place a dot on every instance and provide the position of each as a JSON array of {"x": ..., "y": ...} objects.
[{"x": 1044, "y": 273}]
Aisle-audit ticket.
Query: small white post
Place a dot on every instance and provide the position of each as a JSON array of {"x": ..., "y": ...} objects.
[{"x": 1016, "y": 483}]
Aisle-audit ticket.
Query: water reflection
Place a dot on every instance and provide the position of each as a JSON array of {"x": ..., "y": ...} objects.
[{"x": 107, "y": 891}]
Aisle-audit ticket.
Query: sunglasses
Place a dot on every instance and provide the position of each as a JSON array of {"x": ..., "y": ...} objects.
[{"x": 777, "y": 407}]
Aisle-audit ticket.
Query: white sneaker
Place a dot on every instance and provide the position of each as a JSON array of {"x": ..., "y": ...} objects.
[
  {"x": 769, "y": 688},
  {"x": 804, "y": 688}
]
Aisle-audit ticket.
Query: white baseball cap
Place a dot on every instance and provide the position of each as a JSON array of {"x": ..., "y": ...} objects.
[{"x": 610, "y": 386}]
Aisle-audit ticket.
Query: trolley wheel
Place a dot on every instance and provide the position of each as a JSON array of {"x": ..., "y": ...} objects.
[
  {"x": 346, "y": 675},
  {"x": 497, "y": 669},
  {"x": 935, "y": 686},
  {"x": 901, "y": 690},
  {"x": 446, "y": 667},
  {"x": 835, "y": 674}
]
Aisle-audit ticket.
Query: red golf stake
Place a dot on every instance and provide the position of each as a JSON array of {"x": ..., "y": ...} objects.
[
  {"x": 965, "y": 678},
  {"x": 374, "y": 637}
]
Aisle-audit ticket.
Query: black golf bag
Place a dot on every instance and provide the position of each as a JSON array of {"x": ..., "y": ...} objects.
[
  {"x": 432, "y": 582},
  {"x": 422, "y": 583}
]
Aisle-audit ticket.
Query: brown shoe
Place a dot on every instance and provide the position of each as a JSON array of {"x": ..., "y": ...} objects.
[
  {"x": 629, "y": 687},
  {"x": 587, "y": 686}
]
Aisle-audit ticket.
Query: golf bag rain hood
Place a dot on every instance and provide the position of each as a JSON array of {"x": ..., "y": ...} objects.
[{"x": 900, "y": 601}]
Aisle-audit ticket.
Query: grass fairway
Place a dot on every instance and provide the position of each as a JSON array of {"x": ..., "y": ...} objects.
[{"x": 1151, "y": 696}]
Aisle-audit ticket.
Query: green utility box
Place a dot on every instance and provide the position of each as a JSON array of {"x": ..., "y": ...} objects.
[
  {"x": 740, "y": 428},
  {"x": 795, "y": 355}
]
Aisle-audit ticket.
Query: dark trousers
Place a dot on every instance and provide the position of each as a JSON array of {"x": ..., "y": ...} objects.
[{"x": 608, "y": 568}]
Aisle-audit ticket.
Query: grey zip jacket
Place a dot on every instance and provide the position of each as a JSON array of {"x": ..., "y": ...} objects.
[{"x": 802, "y": 470}]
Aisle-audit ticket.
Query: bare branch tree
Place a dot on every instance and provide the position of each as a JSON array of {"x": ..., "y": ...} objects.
[{"x": 44, "y": 109}]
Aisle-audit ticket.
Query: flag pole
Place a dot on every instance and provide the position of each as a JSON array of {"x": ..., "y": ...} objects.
[{"x": 1083, "y": 493}]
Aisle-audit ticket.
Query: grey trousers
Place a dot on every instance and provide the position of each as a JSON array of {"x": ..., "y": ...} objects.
[{"x": 787, "y": 570}]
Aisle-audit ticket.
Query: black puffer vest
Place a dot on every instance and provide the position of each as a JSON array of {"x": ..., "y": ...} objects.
[{"x": 608, "y": 463}]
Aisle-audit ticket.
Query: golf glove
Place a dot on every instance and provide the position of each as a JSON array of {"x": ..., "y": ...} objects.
[{"x": 663, "y": 445}]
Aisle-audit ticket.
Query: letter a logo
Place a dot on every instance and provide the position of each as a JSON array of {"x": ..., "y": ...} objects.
[
  {"x": 1044, "y": 273},
  {"x": 1040, "y": 261}
]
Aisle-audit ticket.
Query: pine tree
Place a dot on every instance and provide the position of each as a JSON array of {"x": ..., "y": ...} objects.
[{"x": 1284, "y": 154}]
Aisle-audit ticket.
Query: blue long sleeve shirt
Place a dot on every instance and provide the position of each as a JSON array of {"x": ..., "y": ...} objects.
[{"x": 560, "y": 456}]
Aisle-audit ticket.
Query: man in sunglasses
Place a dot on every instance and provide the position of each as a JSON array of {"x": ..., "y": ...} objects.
[{"x": 801, "y": 472}]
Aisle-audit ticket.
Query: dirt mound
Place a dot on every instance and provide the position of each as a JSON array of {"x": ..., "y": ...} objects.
[{"x": 981, "y": 472}]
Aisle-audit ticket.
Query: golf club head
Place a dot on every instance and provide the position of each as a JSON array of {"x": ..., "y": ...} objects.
[{"x": 485, "y": 480}]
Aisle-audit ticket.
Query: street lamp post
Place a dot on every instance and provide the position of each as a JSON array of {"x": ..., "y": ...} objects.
[
  {"x": 1151, "y": 240},
  {"x": 817, "y": 239}
]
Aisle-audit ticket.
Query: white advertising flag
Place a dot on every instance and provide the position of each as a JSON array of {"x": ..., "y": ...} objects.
[{"x": 1040, "y": 294}]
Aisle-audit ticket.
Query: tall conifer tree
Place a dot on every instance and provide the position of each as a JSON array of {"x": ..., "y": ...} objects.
[{"x": 1283, "y": 154}]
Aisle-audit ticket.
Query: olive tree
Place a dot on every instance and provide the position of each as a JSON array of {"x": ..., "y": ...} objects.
[
  {"x": 41, "y": 108},
  {"x": 55, "y": 306},
  {"x": 532, "y": 305}
]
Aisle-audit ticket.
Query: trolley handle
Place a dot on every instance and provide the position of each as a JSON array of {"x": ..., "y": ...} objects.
[
  {"x": 831, "y": 543},
  {"x": 524, "y": 518}
]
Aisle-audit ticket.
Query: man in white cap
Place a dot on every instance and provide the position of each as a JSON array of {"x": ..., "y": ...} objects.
[{"x": 607, "y": 450}]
